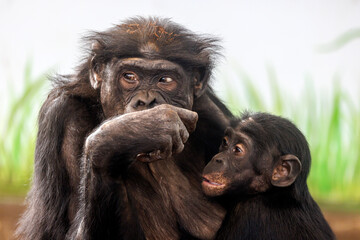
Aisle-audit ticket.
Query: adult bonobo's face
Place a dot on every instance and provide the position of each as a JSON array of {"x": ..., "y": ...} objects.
[
  {"x": 147, "y": 83},
  {"x": 140, "y": 64},
  {"x": 134, "y": 84}
]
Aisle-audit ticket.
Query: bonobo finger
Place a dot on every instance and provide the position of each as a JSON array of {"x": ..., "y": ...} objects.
[
  {"x": 184, "y": 134},
  {"x": 143, "y": 157},
  {"x": 178, "y": 143},
  {"x": 166, "y": 150},
  {"x": 149, "y": 157},
  {"x": 189, "y": 118},
  {"x": 155, "y": 155}
]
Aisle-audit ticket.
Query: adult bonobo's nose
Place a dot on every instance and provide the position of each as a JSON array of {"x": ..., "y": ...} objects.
[
  {"x": 144, "y": 100},
  {"x": 148, "y": 102}
]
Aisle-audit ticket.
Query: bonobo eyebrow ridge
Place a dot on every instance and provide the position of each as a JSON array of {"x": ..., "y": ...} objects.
[{"x": 150, "y": 66}]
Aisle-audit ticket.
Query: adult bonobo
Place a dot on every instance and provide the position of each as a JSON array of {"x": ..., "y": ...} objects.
[
  {"x": 123, "y": 127},
  {"x": 260, "y": 176}
]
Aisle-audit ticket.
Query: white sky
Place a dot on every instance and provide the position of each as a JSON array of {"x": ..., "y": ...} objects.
[{"x": 254, "y": 33}]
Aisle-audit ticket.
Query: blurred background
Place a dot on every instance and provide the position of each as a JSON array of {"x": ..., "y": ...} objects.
[{"x": 298, "y": 59}]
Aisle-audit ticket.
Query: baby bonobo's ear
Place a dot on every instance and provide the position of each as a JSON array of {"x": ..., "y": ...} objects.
[{"x": 286, "y": 171}]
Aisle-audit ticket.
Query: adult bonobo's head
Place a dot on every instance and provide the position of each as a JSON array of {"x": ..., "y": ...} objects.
[
  {"x": 260, "y": 153},
  {"x": 145, "y": 62}
]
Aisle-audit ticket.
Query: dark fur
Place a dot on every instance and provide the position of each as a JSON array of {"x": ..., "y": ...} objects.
[
  {"x": 279, "y": 212},
  {"x": 111, "y": 208}
]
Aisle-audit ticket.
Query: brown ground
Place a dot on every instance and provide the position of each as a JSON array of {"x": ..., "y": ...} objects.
[{"x": 346, "y": 225}]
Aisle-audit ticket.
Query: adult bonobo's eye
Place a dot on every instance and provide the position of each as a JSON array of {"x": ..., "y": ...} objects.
[
  {"x": 129, "y": 80},
  {"x": 130, "y": 77},
  {"x": 166, "y": 80},
  {"x": 167, "y": 83},
  {"x": 239, "y": 149}
]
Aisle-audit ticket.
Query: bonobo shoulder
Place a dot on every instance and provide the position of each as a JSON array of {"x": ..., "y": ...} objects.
[{"x": 61, "y": 109}]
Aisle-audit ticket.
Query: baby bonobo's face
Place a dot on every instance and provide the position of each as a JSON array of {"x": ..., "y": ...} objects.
[
  {"x": 249, "y": 165},
  {"x": 234, "y": 168}
]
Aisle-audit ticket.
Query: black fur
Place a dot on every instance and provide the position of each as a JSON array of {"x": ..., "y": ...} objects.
[
  {"x": 255, "y": 208},
  {"x": 112, "y": 201}
]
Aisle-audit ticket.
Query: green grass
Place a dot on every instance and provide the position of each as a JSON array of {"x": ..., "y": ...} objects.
[
  {"x": 340, "y": 41},
  {"x": 330, "y": 121},
  {"x": 18, "y": 132}
]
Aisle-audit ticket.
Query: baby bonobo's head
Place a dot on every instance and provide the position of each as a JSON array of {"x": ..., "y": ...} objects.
[{"x": 259, "y": 153}]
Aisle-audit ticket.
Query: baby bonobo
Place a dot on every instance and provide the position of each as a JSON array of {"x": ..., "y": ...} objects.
[{"x": 260, "y": 177}]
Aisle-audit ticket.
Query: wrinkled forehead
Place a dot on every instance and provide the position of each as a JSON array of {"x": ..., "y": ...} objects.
[{"x": 149, "y": 64}]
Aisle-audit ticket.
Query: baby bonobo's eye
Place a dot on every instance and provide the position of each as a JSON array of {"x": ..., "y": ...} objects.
[{"x": 239, "y": 149}]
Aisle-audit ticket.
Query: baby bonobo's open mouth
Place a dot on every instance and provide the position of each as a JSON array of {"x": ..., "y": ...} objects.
[
  {"x": 214, "y": 184},
  {"x": 211, "y": 183}
]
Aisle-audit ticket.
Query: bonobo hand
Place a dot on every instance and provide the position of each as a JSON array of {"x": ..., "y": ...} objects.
[
  {"x": 178, "y": 123},
  {"x": 147, "y": 135}
]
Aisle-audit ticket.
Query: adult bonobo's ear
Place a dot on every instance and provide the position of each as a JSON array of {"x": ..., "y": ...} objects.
[
  {"x": 286, "y": 171},
  {"x": 201, "y": 78},
  {"x": 95, "y": 67}
]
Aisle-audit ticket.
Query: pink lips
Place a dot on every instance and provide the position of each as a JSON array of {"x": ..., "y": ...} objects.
[{"x": 211, "y": 184}]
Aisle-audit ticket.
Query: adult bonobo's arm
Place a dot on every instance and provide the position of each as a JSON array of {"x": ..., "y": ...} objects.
[
  {"x": 123, "y": 141},
  {"x": 147, "y": 135},
  {"x": 64, "y": 123}
]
